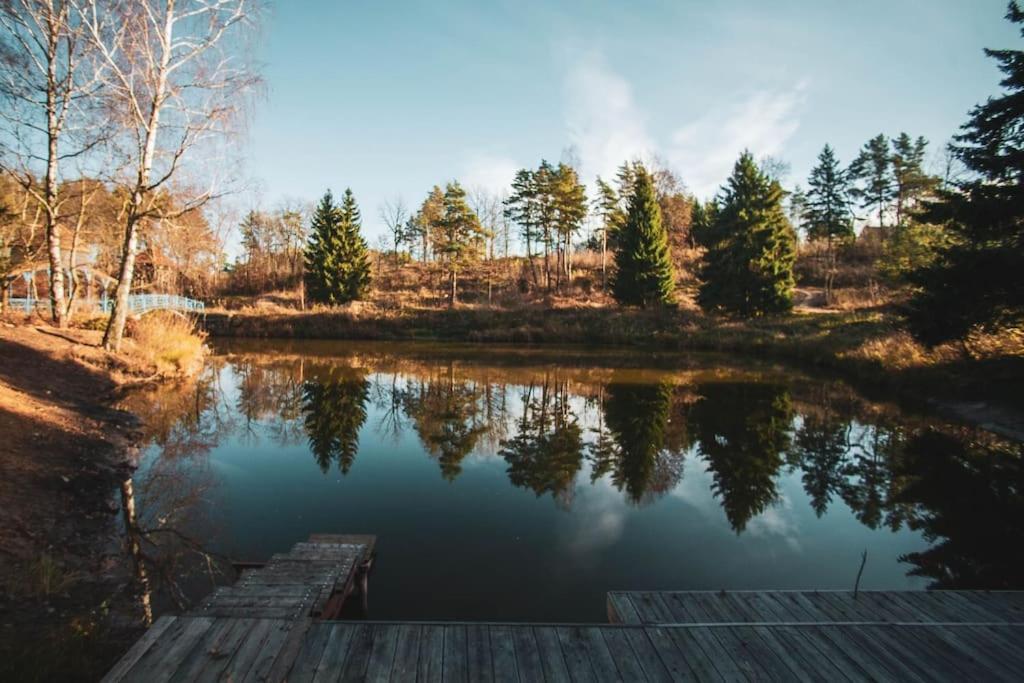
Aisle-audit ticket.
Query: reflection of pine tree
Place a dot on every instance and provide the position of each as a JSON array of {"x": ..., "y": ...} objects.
[
  {"x": 820, "y": 447},
  {"x": 969, "y": 500},
  {"x": 743, "y": 431},
  {"x": 636, "y": 416},
  {"x": 335, "y": 411},
  {"x": 447, "y": 416},
  {"x": 868, "y": 486},
  {"x": 547, "y": 450}
]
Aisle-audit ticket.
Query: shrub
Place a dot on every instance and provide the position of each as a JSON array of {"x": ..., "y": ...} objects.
[{"x": 168, "y": 341}]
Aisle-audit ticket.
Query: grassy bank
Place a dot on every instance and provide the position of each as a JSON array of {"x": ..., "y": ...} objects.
[{"x": 870, "y": 347}]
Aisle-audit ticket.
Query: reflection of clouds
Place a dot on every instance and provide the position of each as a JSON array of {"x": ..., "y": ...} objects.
[
  {"x": 778, "y": 520},
  {"x": 598, "y": 520}
]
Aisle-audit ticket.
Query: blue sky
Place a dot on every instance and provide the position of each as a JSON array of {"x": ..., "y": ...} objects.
[{"x": 389, "y": 98}]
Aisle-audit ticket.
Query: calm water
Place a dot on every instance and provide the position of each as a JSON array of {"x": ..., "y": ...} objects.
[{"x": 513, "y": 485}]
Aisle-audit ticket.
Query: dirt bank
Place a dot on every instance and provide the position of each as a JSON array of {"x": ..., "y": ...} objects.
[{"x": 64, "y": 451}]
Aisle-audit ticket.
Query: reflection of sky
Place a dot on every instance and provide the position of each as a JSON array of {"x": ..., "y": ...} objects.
[{"x": 273, "y": 494}]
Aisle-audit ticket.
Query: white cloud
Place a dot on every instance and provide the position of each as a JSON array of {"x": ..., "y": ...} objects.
[
  {"x": 705, "y": 150},
  {"x": 604, "y": 123},
  {"x": 491, "y": 172}
]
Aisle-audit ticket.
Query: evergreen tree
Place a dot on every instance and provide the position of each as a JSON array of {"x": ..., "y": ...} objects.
[
  {"x": 459, "y": 239},
  {"x": 609, "y": 209},
  {"x": 337, "y": 263},
  {"x": 872, "y": 169},
  {"x": 910, "y": 181},
  {"x": 827, "y": 212},
  {"x": 977, "y": 279},
  {"x": 570, "y": 202},
  {"x": 643, "y": 275},
  {"x": 750, "y": 245},
  {"x": 335, "y": 411},
  {"x": 522, "y": 207}
]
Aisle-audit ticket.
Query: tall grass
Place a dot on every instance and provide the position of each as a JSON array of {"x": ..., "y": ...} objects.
[{"x": 168, "y": 341}]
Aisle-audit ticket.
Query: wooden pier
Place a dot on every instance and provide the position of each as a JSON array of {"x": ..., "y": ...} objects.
[{"x": 266, "y": 628}]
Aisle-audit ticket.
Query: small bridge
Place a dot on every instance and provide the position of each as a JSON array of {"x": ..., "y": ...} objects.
[{"x": 137, "y": 303}]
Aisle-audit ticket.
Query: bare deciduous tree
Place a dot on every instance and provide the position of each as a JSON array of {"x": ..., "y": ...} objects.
[
  {"x": 176, "y": 78},
  {"x": 47, "y": 81},
  {"x": 395, "y": 217}
]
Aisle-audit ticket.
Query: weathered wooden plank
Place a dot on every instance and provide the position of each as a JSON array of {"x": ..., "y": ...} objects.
[
  {"x": 785, "y": 651},
  {"x": 677, "y": 651},
  {"x": 738, "y": 651},
  {"x": 550, "y": 648},
  {"x": 528, "y": 662},
  {"x": 621, "y": 609},
  {"x": 162, "y": 659},
  {"x": 358, "y": 656},
  {"x": 1003, "y": 642},
  {"x": 651, "y": 608},
  {"x": 900, "y": 644},
  {"x": 236, "y": 667},
  {"x": 766, "y": 658},
  {"x": 678, "y": 611},
  {"x": 503, "y": 654},
  {"x": 601, "y": 660},
  {"x": 407, "y": 653},
  {"x": 622, "y": 654},
  {"x": 479, "y": 666},
  {"x": 953, "y": 656},
  {"x": 214, "y": 650},
  {"x": 847, "y": 654},
  {"x": 456, "y": 664},
  {"x": 267, "y": 653},
  {"x": 307, "y": 661},
  {"x": 574, "y": 651},
  {"x": 870, "y": 656},
  {"x": 382, "y": 652},
  {"x": 130, "y": 658},
  {"x": 286, "y": 653},
  {"x": 430, "y": 665},
  {"x": 819, "y": 654},
  {"x": 332, "y": 663},
  {"x": 714, "y": 651}
]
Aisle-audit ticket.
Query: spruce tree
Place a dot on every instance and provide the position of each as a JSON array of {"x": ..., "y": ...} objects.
[
  {"x": 976, "y": 280},
  {"x": 827, "y": 212},
  {"x": 643, "y": 275},
  {"x": 353, "y": 257},
  {"x": 873, "y": 170},
  {"x": 750, "y": 245},
  {"x": 337, "y": 263}
]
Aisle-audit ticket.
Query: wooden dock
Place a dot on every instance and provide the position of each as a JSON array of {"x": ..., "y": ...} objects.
[{"x": 655, "y": 636}]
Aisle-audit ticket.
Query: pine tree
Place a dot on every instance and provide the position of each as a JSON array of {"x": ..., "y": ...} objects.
[
  {"x": 608, "y": 207},
  {"x": 873, "y": 170},
  {"x": 827, "y": 212},
  {"x": 570, "y": 201},
  {"x": 643, "y": 273},
  {"x": 522, "y": 208},
  {"x": 751, "y": 246},
  {"x": 460, "y": 238},
  {"x": 337, "y": 263},
  {"x": 353, "y": 258},
  {"x": 910, "y": 181},
  {"x": 977, "y": 280}
]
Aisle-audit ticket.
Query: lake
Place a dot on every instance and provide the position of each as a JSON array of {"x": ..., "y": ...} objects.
[{"x": 523, "y": 484}]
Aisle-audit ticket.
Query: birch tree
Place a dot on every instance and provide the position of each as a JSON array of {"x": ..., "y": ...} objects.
[
  {"x": 47, "y": 84},
  {"x": 177, "y": 79}
]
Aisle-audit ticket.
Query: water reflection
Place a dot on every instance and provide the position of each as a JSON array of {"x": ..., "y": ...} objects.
[{"x": 560, "y": 431}]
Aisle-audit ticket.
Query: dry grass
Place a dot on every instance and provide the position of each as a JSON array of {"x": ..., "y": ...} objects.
[{"x": 168, "y": 341}]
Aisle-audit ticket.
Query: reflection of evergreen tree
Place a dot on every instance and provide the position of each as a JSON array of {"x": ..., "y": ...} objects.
[
  {"x": 869, "y": 486},
  {"x": 743, "y": 431},
  {"x": 636, "y": 416},
  {"x": 820, "y": 448},
  {"x": 335, "y": 411},
  {"x": 547, "y": 450},
  {"x": 969, "y": 503},
  {"x": 446, "y": 415}
]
